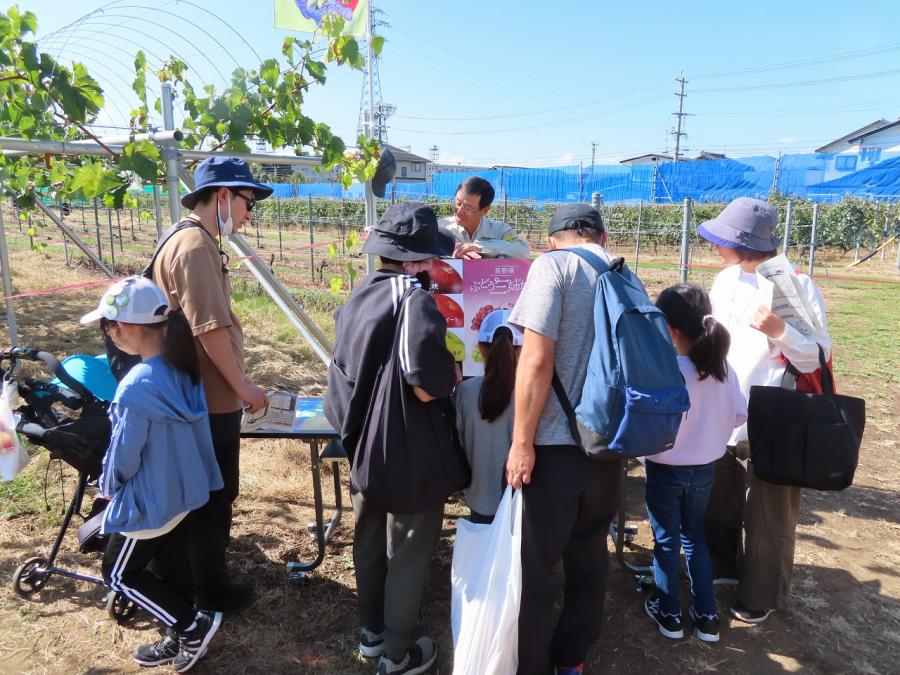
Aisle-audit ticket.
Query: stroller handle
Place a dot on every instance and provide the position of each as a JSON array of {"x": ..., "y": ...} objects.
[{"x": 52, "y": 363}]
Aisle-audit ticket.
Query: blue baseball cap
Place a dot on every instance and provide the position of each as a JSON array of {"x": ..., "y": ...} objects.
[{"x": 224, "y": 171}]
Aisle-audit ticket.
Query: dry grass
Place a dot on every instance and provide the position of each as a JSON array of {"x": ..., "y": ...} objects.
[{"x": 844, "y": 614}]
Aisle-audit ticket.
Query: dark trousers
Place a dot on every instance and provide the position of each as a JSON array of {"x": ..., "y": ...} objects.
[
  {"x": 211, "y": 524},
  {"x": 566, "y": 512},
  {"x": 125, "y": 570},
  {"x": 391, "y": 557}
]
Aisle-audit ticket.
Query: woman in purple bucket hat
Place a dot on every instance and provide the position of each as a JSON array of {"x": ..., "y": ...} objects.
[{"x": 750, "y": 523}]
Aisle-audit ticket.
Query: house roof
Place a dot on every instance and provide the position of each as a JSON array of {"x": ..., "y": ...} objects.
[
  {"x": 649, "y": 155},
  {"x": 711, "y": 155},
  {"x": 874, "y": 131},
  {"x": 874, "y": 126},
  {"x": 405, "y": 156}
]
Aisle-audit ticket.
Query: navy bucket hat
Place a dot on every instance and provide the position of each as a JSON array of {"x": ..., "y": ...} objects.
[
  {"x": 746, "y": 224},
  {"x": 408, "y": 231},
  {"x": 223, "y": 171}
]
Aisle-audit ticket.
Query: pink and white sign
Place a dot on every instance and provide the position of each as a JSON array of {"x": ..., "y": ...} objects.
[{"x": 468, "y": 290}]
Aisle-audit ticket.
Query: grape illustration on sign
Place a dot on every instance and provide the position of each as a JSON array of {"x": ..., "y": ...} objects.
[
  {"x": 466, "y": 291},
  {"x": 312, "y": 9}
]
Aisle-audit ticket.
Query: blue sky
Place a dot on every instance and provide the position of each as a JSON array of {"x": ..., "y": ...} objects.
[{"x": 534, "y": 83}]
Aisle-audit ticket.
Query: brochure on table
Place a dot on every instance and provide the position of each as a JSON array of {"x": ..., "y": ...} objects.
[
  {"x": 468, "y": 290},
  {"x": 289, "y": 412}
]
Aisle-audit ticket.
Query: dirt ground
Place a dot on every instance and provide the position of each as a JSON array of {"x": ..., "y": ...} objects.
[{"x": 843, "y": 615}]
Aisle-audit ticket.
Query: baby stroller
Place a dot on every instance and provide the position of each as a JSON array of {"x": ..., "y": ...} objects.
[{"x": 71, "y": 422}]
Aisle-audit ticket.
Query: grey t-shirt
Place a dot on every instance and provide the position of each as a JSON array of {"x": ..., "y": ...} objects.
[
  {"x": 558, "y": 302},
  {"x": 486, "y": 444}
]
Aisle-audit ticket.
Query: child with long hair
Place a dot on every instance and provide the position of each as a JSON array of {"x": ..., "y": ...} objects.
[
  {"x": 484, "y": 413},
  {"x": 679, "y": 481},
  {"x": 160, "y": 466}
]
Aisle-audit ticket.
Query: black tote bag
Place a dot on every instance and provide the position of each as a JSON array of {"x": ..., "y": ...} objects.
[
  {"x": 408, "y": 458},
  {"x": 803, "y": 439}
]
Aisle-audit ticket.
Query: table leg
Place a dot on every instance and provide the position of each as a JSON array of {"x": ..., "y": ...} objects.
[{"x": 298, "y": 571}]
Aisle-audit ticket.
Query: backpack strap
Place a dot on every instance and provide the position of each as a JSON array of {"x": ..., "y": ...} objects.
[
  {"x": 566, "y": 405},
  {"x": 182, "y": 224}
]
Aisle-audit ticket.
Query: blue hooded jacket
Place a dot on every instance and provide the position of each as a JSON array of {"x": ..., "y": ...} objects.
[{"x": 160, "y": 461}]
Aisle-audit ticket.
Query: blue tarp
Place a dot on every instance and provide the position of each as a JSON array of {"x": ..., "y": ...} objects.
[{"x": 703, "y": 181}]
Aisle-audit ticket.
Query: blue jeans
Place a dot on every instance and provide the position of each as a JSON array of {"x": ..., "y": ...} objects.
[{"x": 676, "y": 501}]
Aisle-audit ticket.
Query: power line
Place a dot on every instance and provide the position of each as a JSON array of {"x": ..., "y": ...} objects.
[{"x": 800, "y": 83}]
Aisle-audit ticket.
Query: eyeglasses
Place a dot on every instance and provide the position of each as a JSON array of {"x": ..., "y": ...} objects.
[
  {"x": 465, "y": 208},
  {"x": 250, "y": 201}
]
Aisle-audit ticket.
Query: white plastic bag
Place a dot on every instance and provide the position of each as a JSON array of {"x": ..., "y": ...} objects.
[
  {"x": 13, "y": 457},
  {"x": 486, "y": 580}
]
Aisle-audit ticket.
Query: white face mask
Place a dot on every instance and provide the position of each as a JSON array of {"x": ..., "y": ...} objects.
[{"x": 225, "y": 226}]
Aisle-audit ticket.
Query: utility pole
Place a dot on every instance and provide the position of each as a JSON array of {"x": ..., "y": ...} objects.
[
  {"x": 593, "y": 155},
  {"x": 678, "y": 133}
]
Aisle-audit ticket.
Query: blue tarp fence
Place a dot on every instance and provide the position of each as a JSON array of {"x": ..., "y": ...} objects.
[{"x": 810, "y": 176}]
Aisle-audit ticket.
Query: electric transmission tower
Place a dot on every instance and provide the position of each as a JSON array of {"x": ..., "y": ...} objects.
[
  {"x": 680, "y": 115},
  {"x": 382, "y": 110},
  {"x": 434, "y": 153}
]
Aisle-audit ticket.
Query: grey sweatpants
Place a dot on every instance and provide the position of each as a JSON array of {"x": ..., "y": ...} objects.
[{"x": 391, "y": 556}]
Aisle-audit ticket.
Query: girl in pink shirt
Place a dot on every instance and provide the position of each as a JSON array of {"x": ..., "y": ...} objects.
[{"x": 679, "y": 481}]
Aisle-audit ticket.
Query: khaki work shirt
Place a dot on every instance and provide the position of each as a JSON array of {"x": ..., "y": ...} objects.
[
  {"x": 189, "y": 270},
  {"x": 496, "y": 238}
]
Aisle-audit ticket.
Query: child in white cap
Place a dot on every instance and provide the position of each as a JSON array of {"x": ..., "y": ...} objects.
[
  {"x": 160, "y": 466},
  {"x": 484, "y": 413}
]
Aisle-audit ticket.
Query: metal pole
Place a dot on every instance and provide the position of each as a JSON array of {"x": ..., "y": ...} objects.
[
  {"x": 278, "y": 216},
  {"x": 97, "y": 228},
  {"x": 312, "y": 258},
  {"x": 157, "y": 207},
  {"x": 368, "y": 128},
  {"x": 812, "y": 239},
  {"x": 65, "y": 242},
  {"x": 685, "y": 240},
  {"x": 170, "y": 155},
  {"x": 112, "y": 242},
  {"x": 75, "y": 238},
  {"x": 119, "y": 229},
  {"x": 788, "y": 219},
  {"x": 637, "y": 236},
  {"x": 282, "y": 297},
  {"x": 7, "y": 286}
]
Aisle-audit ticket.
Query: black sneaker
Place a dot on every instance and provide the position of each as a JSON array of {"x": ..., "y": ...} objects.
[
  {"x": 371, "y": 644},
  {"x": 159, "y": 653},
  {"x": 741, "y": 613},
  {"x": 418, "y": 659},
  {"x": 669, "y": 624},
  {"x": 705, "y": 627},
  {"x": 194, "y": 642}
]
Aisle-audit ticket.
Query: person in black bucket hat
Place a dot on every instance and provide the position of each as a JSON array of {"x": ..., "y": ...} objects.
[
  {"x": 392, "y": 551},
  {"x": 408, "y": 232}
]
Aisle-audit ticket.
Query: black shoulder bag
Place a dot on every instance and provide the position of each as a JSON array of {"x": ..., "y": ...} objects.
[
  {"x": 803, "y": 439},
  {"x": 408, "y": 458}
]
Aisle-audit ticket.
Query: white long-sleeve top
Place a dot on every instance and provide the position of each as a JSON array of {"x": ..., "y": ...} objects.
[{"x": 756, "y": 358}]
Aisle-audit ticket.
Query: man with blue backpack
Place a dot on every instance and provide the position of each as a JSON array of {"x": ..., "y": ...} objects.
[{"x": 597, "y": 381}]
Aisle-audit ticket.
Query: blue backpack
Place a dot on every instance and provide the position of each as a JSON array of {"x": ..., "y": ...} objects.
[{"x": 634, "y": 394}]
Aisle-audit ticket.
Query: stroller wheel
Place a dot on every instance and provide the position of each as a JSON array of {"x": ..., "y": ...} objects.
[
  {"x": 120, "y": 608},
  {"x": 30, "y": 576}
]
